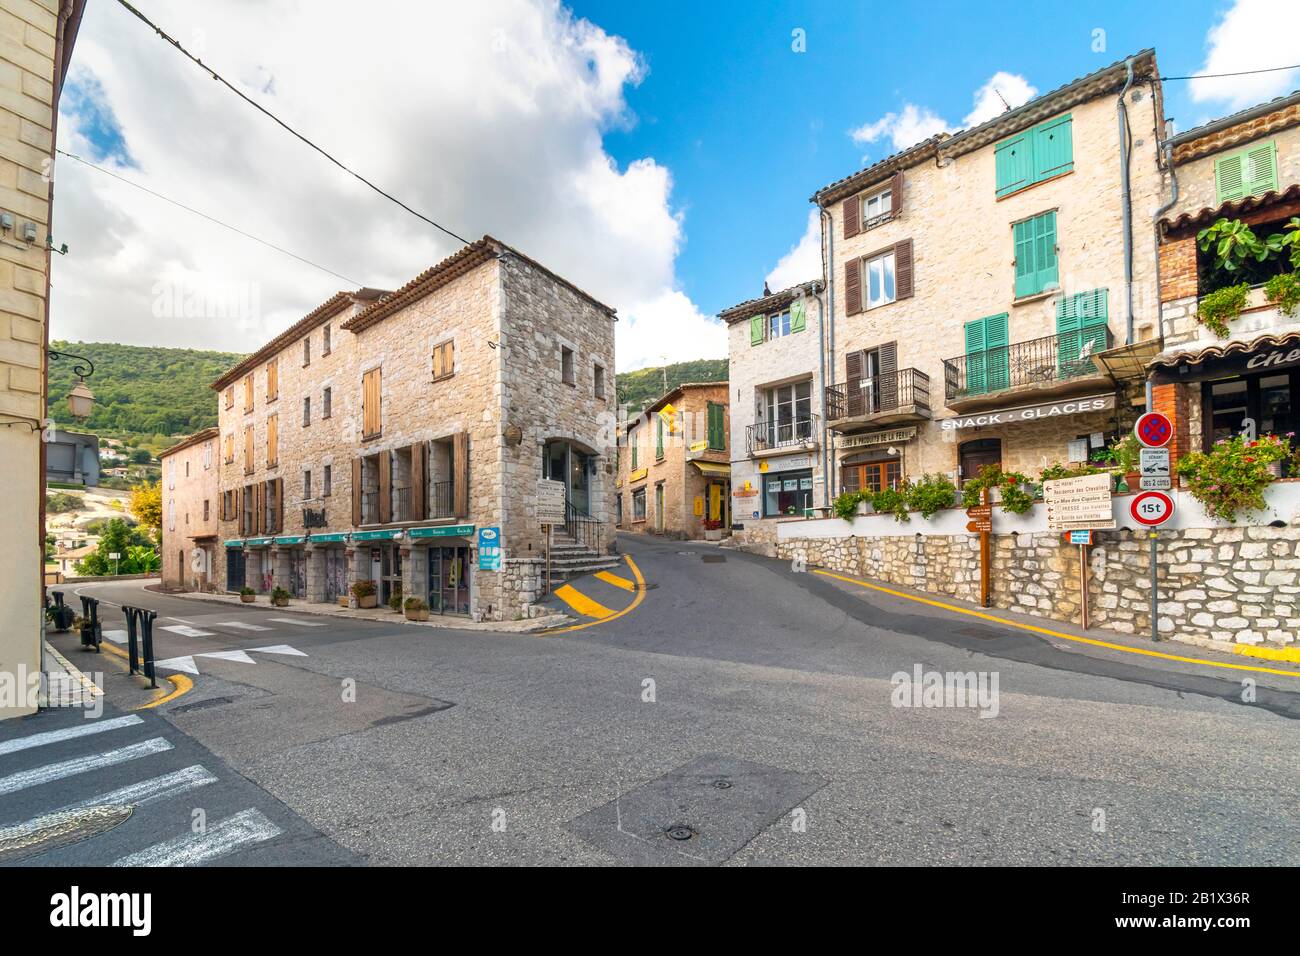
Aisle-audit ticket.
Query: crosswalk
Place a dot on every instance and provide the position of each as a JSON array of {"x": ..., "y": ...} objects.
[
  {"x": 53, "y": 808},
  {"x": 188, "y": 663}
]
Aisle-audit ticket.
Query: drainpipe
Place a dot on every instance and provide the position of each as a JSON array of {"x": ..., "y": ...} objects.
[
  {"x": 828, "y": 256},
  {"x": 821, "y": 387},
  {"x": 1168, "y": 149},
  {"x": 1122, "y": 111}
]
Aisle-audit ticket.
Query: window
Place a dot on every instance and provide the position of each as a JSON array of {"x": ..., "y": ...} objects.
[
  {"x": 635, "y": 435},
  {"x": 306, "y": 351},
  {"x": 871, "y": 476},
  {"x": 371, "y": 404},
  {"x": 638, "y": 505},
  {"x": 444, "y": 360},
  {"x": 272, "y": 380},
  {"x": 786, "y": 413},
  {"x": 717, "y": 416},
  {"x": 206, "y": 510},
  {"x": 306, "y": 484},
  {"x": 325, "y": 340},
  {"x": 778, "y": 324},
  {"x": 306, "y": 410},
  {"x": 1250, "y": 172},
  {"x": 228, "y": 452},
  {"x": 1081, "y": 321},
  {"x": 1035, "y": 251},
  {"x": 598, "y": 381},
  {"x": 880, "y": 279},
  {"x": 877, "y": 205},
  {"x": 248, "y": 392},
  {"x": 327, "y": 396},
  {"x": 272, "y": 441},
  {"x": 248, "y": 449},
  {"x": 187, "y": 469},
  {"x": 327, "y": 481},
  {"x": 988, "y": 367},
  {"x": 227, "y": 506},
  {"x": 659, "y": 438},
  {"x": 1035, "y": 155},
  {"x": 787, "y": 493},
  {"x": 230, "y": 396},
  {"x": 566, "y": 366}
]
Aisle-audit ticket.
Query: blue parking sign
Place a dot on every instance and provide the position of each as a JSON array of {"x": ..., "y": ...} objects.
[{"x": 489, "y": 549}]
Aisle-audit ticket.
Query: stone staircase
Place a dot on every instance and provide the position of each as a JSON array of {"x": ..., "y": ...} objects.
[{"x": 569, "y": 559}]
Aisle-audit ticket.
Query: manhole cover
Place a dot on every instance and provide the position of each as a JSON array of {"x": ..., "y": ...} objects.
[
  {"x": 722, "y": 784},
  {"x": 679, "y": 831}
]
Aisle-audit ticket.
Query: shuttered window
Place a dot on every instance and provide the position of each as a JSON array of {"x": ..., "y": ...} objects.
[
  {"x": 248, "y": 392},
  {"x": 1250, "y": 172},
  {"x": 230, "y": 396},
  {"x": 798, "y": 315},
  {"x": 1034, "y": 155},
  {"x": 659, "y": 437},
  {"x": 272, "y": 441},
  {"x": 444, "y": 360},
  {"x": 371, "y": 404},
  {"x": 248, "y": 449},
  {"x": 717, "y": 426},
  {"x": 1080, "y": 331},
  {"x": 758, "y": 330},
  {"x": 272, "y": 380},
  {"x": 635, "y": 434},
  {"x": 987, "y": 361},
  {"x": 1035, "y": 250},
  {"x": 327, "y": 402}
]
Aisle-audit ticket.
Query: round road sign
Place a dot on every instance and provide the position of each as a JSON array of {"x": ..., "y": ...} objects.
[
  {"x": 1151, "y": 508},
  {"x": 1154, "y": 430}
]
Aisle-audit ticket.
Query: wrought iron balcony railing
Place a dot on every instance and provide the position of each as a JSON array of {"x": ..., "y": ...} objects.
[
  {"x": 763, "y": 435},
  {"x": 1053, "y": 358},
  {"x": 904, "y": 388}
]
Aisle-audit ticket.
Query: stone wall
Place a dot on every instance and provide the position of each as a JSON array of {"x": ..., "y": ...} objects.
[{"x": 191, "y": 508}]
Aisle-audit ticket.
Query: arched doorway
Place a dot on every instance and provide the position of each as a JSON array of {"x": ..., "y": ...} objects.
[{"x": 976, "y": 454}]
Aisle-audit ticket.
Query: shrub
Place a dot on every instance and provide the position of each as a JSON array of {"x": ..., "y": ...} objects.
[
  {"x": 246, "y": 591},
  {"x": 1010, "y": 484},
  {"x": 61, "y": 501},
  {"x": 1219, "y": 308},
  {"x": 1232, "y": 476},
  {"x": 846, "y": 505},
  {"x": 415, "y": 604},
  {"x": 931, "y": 494},
  {"x": 1056, "y": 471},
  {"x": 363, "y": 589},
  {"x": 891, "y": 501},
  {"x": 395, "y": 600},
  {"x": 1284, "y": 291},
  {"x": 279, "y": 594}
]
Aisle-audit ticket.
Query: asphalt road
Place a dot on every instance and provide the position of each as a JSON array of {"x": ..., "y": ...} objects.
[{"x": 741, "y": 713}]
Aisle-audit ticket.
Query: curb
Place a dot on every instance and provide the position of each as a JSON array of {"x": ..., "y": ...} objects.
[{"x": 88, "y": 685}]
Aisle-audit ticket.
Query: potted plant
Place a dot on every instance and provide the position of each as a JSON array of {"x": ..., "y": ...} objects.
[
  {"x": 395, "y": 600},
  {"x": 1125, "y": 454},
  {"x": 247, "y": 594},
  {"x": 279, "y": 597},
  {"x": 713, "y": 529},
  {"x": 415, "y": 609},
  {"x": 1232, "y": 476},
  {"x": 364, "y": 592}
]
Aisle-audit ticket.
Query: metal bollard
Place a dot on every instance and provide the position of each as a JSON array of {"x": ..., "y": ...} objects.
[
  {"x": 147, "y": 619},
  {"x": 132, "y": 649},
  {"x": 91, "y": 631}
]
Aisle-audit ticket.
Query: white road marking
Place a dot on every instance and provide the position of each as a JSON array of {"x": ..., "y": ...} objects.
[
  {"x": 185, "y": 664},
  {"x": 68, "y": 768},
  {"x": 294, "y": 620},
  {"x": 241, "y": 625},
  {"x": 279, "y": 649},
  {"x": 229, "y": 656},
  {"x": 186, "y": 631},
  {"x": 147, "y": 791},
  {"x": 117, "y": 637},
  {"x": 180, "y": 620},
  {"x": 225, "y": 836},
  {"x": 70, "y": 733}
]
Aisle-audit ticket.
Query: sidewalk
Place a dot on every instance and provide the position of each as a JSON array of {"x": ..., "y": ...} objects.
[
  {"x": 382, "y": 614},
  {"x": 63, "y": 685}
]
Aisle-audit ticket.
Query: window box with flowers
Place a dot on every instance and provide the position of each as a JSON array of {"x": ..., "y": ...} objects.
[{"x": 1231, "y": 477}]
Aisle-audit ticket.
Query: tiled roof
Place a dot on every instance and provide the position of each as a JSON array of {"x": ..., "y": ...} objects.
[
  {"x": 766, "y": 303},
  {"x": 667, "y": 397},
  {"x": 196, "y": 438},
  {"x": 1209, "y": 214},
  {"x": 1232, "y": 119},
  {"x": 1172, "y": 358}
]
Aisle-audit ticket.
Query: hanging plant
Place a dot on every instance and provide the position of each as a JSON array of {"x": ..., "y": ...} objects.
[
  {"x": 1284, "y": 290},
  {"x": 1232, "y": 476},
  {"x": 1220, "y": 307}
]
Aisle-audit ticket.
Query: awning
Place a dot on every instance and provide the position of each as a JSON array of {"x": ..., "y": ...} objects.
[
  {"x": 256, "y": 542},
  {"x": 235, "y": 543},
  {"x": 290, "y": 539},
  {"x": 387, "y": 534},
  {"x": 1263, "y": 353},
  {"x": 443, "y": 531},
  {"x": 333, "y": 537},
  {"x": 713, "y": 468}
]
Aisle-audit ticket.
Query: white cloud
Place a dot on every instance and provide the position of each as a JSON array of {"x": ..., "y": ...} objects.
[
  {"x": 804, "y": 260},
  {"x": 1253, "y": 35},
  {"x": 915, "y": 123},
  {"x": 487, "y": 117},
  {"x": 668, "y": 328}
]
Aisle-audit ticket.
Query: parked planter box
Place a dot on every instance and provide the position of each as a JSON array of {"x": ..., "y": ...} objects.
[
  {"x": 417, "y": 615},
  {"x": 248, "y": 598},
  {"x": 369, "y": 601},
  {"x": 279, "y": 602}
]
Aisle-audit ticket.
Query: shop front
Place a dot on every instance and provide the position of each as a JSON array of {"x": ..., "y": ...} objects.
[
  {"x": 381, "y": 560},
  {"x": 236, "y": 565},
  {"x": 874, "y": 461},
  {"x": 447, "y": 552},
  {"x": 786, "y": 486},
  {"x": 330, "y": 550},
  {"x": 291, "y": 570}
]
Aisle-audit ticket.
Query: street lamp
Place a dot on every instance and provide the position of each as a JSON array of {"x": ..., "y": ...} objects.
[{"x": 81, "y": 400}]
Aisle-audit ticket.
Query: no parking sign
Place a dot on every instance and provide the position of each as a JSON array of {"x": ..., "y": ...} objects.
[{"x": 1154, "y": 430}]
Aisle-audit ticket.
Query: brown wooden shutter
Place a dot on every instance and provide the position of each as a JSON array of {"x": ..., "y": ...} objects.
[
  {"x": 853, "y": 385},
  {"x": 259, "y": 507},
  {"x": 356, "y": 492},
  {"x": 853, "y": 287},
  {"x": 239, "y": 509},
  {"x": 272, "y": 441},
  {"x": 418, "y": 485},
  {"x": 903, "y": 270},
  {"x": 852, "y": 216},
  {"x": 248, "y": 450},
  {"x": 887, "y": 356},
  {"x": 385, "y": 487},
  {"x": 896, "y": 194},
  {"x": 460, "y": 474},
  {"x": 279, "y": 506},
  {"x": 371, "y": 408}
]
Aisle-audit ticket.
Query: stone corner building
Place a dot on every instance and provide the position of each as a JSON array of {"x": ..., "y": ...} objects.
[
  {"x": 373, "y": 439},
  {"x": 190, "y": 496}
]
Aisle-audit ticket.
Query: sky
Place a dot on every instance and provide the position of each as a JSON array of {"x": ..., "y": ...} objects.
[{"x": 660, "y": 156}]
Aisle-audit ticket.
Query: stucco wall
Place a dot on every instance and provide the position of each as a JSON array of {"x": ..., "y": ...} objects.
[{"x": 191, "y": 479}]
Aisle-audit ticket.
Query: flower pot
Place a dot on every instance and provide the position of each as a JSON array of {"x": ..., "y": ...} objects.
[
  {"x": 279, "y": 602},
  {"x": 343, "y": 601},
  {"x": 712, "y": 534},
  {"x": 1134, "y": 480},
  {"x": 417, "y": 615},
  {"x": 369, "y": 601},
  {"x": 248, "y": 598}
]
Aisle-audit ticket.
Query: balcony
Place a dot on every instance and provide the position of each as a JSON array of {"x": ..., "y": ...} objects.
[
  {"x": 771, "y": 438},
  {"x": 1051, "y": 367},
  {"x": 886, "y": 399},
  {"x": 402, "y": 509}
]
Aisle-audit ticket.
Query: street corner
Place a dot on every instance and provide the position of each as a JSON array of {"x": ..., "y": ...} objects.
[{"x": 598, "y": 597}]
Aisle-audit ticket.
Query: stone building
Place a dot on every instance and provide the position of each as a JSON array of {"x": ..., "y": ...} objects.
[
  {"x": 777, "y": 371},
  {"x": 674, "y": 471},
  {"x": 38, "y": 37},
  {"x": 991, "y": 291},
  {"x": 1243, "y": 167},
  {"x": 378, "y": 436},
  {"x": 191, "y": 509}
]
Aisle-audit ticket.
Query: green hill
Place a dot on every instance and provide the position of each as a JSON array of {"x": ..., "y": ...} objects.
[
  {"x": 638, "y": 389},
  {"x": 141, "y": 391}
]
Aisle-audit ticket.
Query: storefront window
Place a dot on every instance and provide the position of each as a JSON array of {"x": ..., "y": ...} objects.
[
  {"x": 787, "y": 493},
  {"x": 1227, "y": 408},
  {"x": 872, "y": 476},
  {"x": 638, "y": 505}
]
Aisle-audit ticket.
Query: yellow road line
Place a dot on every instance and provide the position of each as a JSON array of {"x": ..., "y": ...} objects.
[
  {"x": 1044, "y": 630},
  {"x": 1291, "y": 654},
  {"x": 180, "y": 683},
  {"x": 581, "y": 603},
  {"x": 616, "y": 580},
  {"x": 636, "y": 602}
]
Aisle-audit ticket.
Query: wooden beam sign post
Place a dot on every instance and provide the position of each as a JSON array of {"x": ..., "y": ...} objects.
[{"x": 982, "y": 523}]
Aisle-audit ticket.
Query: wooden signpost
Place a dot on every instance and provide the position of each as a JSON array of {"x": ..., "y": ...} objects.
[
  {"x": 981, "y": 523},
  {"x": 550, "y": 512}
]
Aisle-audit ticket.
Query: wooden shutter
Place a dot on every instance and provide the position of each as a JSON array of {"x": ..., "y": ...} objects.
[
  {"x": 977, "y": 380},
  {"x": 1261, "y": 169},
  {"x": 272, "y": 441},
  {"x": 237, "y": 502},
  {"x": 248, "y": 392},
  {"x": 853, "y": 287},
  {"x": 371, "y": 409},
  {"x": 903, "y": 270},
  {"x": 798, "y": 315},
  {"x": 259, "y": 507},
  {"x": 1012, "y": 160},
  {"x": 659, "y": 437},
  {"x": 279, "y": 506},
  {"x": 248, "y": 449},
  {"x": 852, "y": 216},
  {"x": 887, "y": 359},
  {"x": 716, "y": 426},
  {"x": 385, "y": 487},
  {"x": 1022, "y": 240},
  {"x": 419, "y": 487},
  {"x": 460, "y": 474},
  {"x": 356, "y": 492},
  {"x": 855, "y": 400},
  {"x": 997, "y": 343},
  {"x": 1053, "y": 146},
  {"x": 757, "y": 329},
  {"x": 896, "y": 195},
  {"x": 1081, "y": 321},
  {"x": 272, "y": 380}
]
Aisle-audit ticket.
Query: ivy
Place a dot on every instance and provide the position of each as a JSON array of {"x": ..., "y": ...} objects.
[{"x": 1220, "y": 307}]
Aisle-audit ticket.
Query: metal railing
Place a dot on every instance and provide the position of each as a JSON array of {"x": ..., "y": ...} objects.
[
  {"x": 902, "y": 388},
  {"x": 400, "y": 503},
  {"x": 764, "y": 435},
  {"x": 582, "y": 527},
  {"x": 370, "y": 507},
  {"x": 441, "y": 502},
  {"x": 1052, "y": 358}
]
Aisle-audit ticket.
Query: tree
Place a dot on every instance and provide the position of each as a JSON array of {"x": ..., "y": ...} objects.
[
  {"x": 141, "y": 456},
  {"x": 147, "y": 506},
  {"x": 137, "y": 555}
]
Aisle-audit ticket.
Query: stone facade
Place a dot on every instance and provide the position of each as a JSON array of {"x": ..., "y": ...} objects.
[
  {"x": 679, "y": 494},
  {"x": 476, "y": 366},
  {"x": 191, "y": 491},
  {"x": 36, "y": 39}
]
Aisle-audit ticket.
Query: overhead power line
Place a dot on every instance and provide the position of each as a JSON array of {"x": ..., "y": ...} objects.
[
  {"x": 263, "y": 110},
  {"x": 204, "y": 215},
  {"x": 1215, "y": 76}
]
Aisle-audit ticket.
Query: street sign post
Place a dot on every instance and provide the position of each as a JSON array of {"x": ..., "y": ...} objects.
[
  {"x": 1078, "y": 504},
  {"x": 1154, "y": 429},
  {"x": 981, "y": 523},
  {"x": 1151, "y": 508}
]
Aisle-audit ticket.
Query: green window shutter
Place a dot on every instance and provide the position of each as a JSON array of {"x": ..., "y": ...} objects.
[
  {"x": 659, "y": 436},
  {"x": 997, "y": 354},
  {"x": 634, "y": 451},
  {"x": 756, "y": 329},
  {"x": 716, "y": 426},
  {"x": 797, "y": 316},
  {"x": 1261, "y": 164},
  {"x": 1026, "y": 259},
  {"x": 1013, "y": 161},
  {"x": 976, "y": 373},
  {"x": 1053, "y": 148},
  {"x": 1080, "y": 331},
  {"x": 1229, "y": 177}
]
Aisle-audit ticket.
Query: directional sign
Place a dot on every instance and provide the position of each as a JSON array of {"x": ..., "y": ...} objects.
[
  {"x": 1154, "y": 430},
  {"x": 981, "y": 519},
  {"x": 1078, "y": 503},
  {"x": 1151, "y": 508}
]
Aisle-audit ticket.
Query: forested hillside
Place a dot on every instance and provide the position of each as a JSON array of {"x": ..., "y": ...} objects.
[{"x": 637, "y": 389}]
